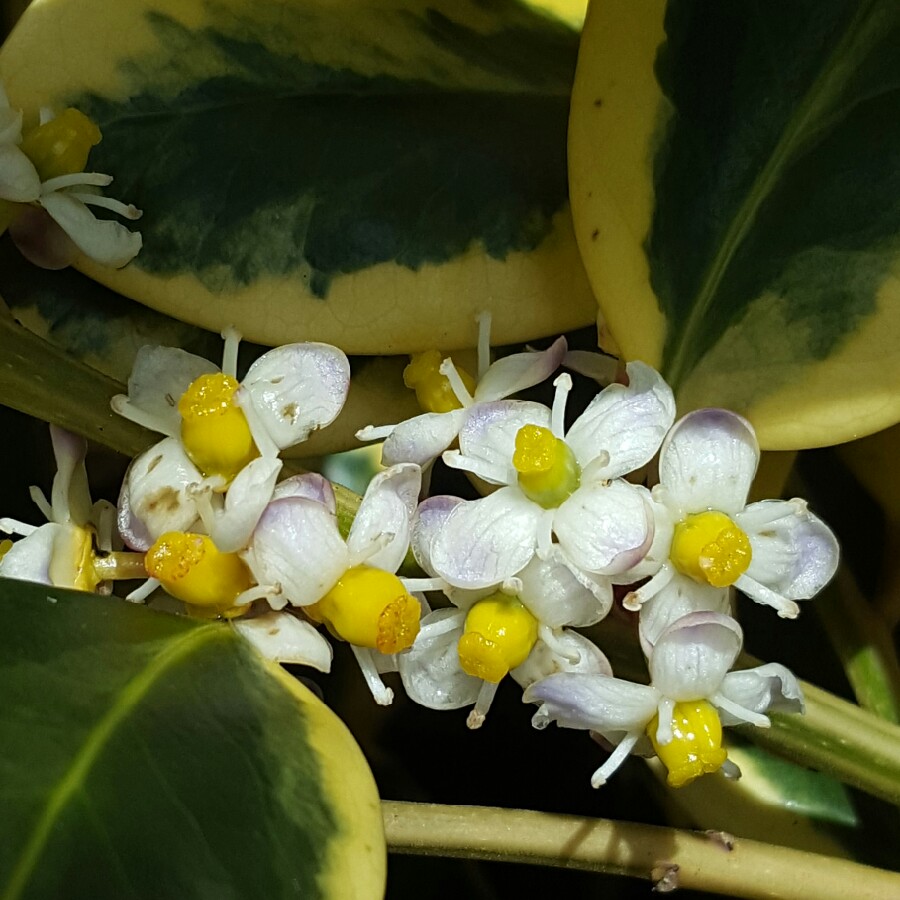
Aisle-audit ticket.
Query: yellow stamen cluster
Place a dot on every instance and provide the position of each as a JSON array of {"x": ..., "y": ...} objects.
[
  {"x": 499, "y": 634},
  {"x": 711, "y": 549},
  {"x": 432, "y": 389},
  {"x": 192, "y": 569},
  {"x": 61, "y": 146},
  {"x": 696, "y": 745},
  {"x": 548, "y": 470},
  {"x": 214, "y": 429},
  {"x": 370, "y": 608}
]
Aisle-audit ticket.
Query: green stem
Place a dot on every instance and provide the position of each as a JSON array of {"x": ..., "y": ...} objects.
[
  {"x": 862, "y": 641},
  {"x": 668, "y": 857}
]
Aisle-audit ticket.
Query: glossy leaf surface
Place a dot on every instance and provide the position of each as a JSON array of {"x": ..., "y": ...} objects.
[
  {"x": 372, "y": 175},
  {"x": 146, "y": 755},
  {"x": 734, "y": 181}
]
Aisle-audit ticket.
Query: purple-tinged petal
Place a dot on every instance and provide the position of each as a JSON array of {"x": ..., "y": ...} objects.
[
  {"x": 157, "y": 495},
  {"x": 422, "y": 439},
  {"x": 556, "y": 597},
  {"x": 489, "y": 434},
  {"x": 627, "y": 422},
  {"x": 765, "y": 688},
  {"x": 310, "y": 485},
  {"x": 297, "y": 546},
  {"x": 245, "y": 501},
  {"x": 795, "y": 554},
  {"x": 593, "y": 702},
  {"x": 298, "y": 388},
  {"x": 282, "y": 637},
  {"x": 578, "y": 655},
  {"x": 427, "y": 523},
  {"x": 515, "y": 373},
  {"x": 484, "y": 542},
  {"x": 708, "y": 461},
  {"x": 605, "y": 529},
  {"x": 596, "y": 366},
  {"x": 693, "y": 655},
  {"x": 70, "y": 496},
  {"x": 379, "y": 535}
]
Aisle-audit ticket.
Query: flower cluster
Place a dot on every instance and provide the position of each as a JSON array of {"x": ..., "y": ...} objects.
[{"x": 564, "y": 518}]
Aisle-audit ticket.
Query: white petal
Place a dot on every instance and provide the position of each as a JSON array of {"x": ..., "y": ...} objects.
[
  {"x": 157, "y": 495},
  {"x": 692, "y": 656},
  {"x": 489, "y": 434},
  {"x": 284, "y": 638},
  {"x": 555, "y": 596},
  {"x": 245, "y": 501},
  {"x": 298, "y": 388},
  {"x": 515, "y": 373},
  {"x": 594, "y": 702},
  {"x": 423, "y": 438},
  {"x": 297, "y": 545},
  {"x": 10, "y": 124},
  {"x": 29, "y": 558},
  {"x": 383, "y": 518},
  {"x": 310, "y": 485},
  {"x": 605, "y": 529},
  {"x": 581, "y": 655},
  {"x": 795, "y": 553},
  {"x": 600, "y": 368},
  {"x": 680, "y": 597},
  {"x": 768, "y": 687},
  {"x": 708, "y": 461},
  {"x": 660, "y": 547},
  {"x": 628, "y": 423},
  {"x": 70, "y": 496},
  {"x": 158, "y": 379},
  {"x": 430, "y": 669},
  {"x": 484, "y": 542},
  {"x": 19, "y": 180},
  {"x": 427, "y": 523},
  {"x": 104, "y": 241}
]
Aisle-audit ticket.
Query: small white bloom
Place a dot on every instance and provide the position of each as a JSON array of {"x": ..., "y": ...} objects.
[
  {"x": 297, "y": 556},
  {"x": 221, "y": 435},
  {"x": 680, "y": 714},
  {"x": 440, "y": 384},
  {"x": 707, "y": 538},
  {"x": 558, "y": 484}
]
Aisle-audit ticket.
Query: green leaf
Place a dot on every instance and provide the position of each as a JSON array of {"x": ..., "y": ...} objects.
[
  {"x": 734, "y": 187},
  {"x": 147, "y": 755},
  {"x": 349, "y": 173}
]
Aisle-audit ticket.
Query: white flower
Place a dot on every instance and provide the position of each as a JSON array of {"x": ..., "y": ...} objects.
[
  {"x": 555, "y": 485},
  {"x": 66, "y": 197},
  {"x": 441, "y": 388},
  {"x": 517, "y": 628},
  {"x": 707, "y": 538},
  {"x": 221, "y": 435},
  {"x": 297, "y": 556},
  {"x": 680, "y": 714},
  {"x": 61, "y": 552}
]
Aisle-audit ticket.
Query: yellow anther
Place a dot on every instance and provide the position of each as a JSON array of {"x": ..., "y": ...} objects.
[
  {"x": 696, "y": 745},
  {"x": 72, "y": 562},
  {"x": 498, "y": 636},
  {"x": 192, "y": 569},
  {"x": 214, "y": 429},
  {"x": 61, "y": 146},
  {"x": 711, "y": 549},
  {"x": 432, "y": 389},
  {"x": 5, "y": 547},
  {"x": 548, "y": 470},
  {"x": 370, "y": 608}
]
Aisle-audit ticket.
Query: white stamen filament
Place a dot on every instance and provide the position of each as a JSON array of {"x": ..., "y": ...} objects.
[
  {"x": 103, "y": 513},
  {"x": 423, "y": 584},
  {"x": 232, "y": 338},
  {"x": 79, "y": 178},
  {"x": 261, "y": 437},
  {"x": 665, "y": 710},
  {"x": 125, "y": 210},
  {"x": 740, "y": 712},
  {"x": 786, "y": 609},
  {"x": 40, "y": 501},
  {"x": 730, "y": 770},
  {"x": 257, "y": 592},
  {"x": 767, "y": 514},
  {"x": 122, "y": 406},
  {"x": 448, "y": 370},
  {"x": 45, "y": 114},
  {"x": 545, "y": 535},
  {"x": 549, "y": 636},
  {"x": 375, "y": 432},
  {"x": 618, "y": 756},
  {"x": 489, "y": 472},
  {"x": 443, "y": 626},
  {"x": 384, "y": 696},
  {"x": 482, "y": 705},
  {"x": 14, "y": 526},
  {"x": 634, "y": 600},
  {"x": 139, "y": 595},
  {"x": 484, "y": 342},
  {"x": 563, "y": 385}
]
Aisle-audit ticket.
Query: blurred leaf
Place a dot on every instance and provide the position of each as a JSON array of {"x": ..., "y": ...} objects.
[
  {"x": 147, "y": 755},
  {"x": 734, "y": 181},
  {"x": 352, "y": 173}
]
